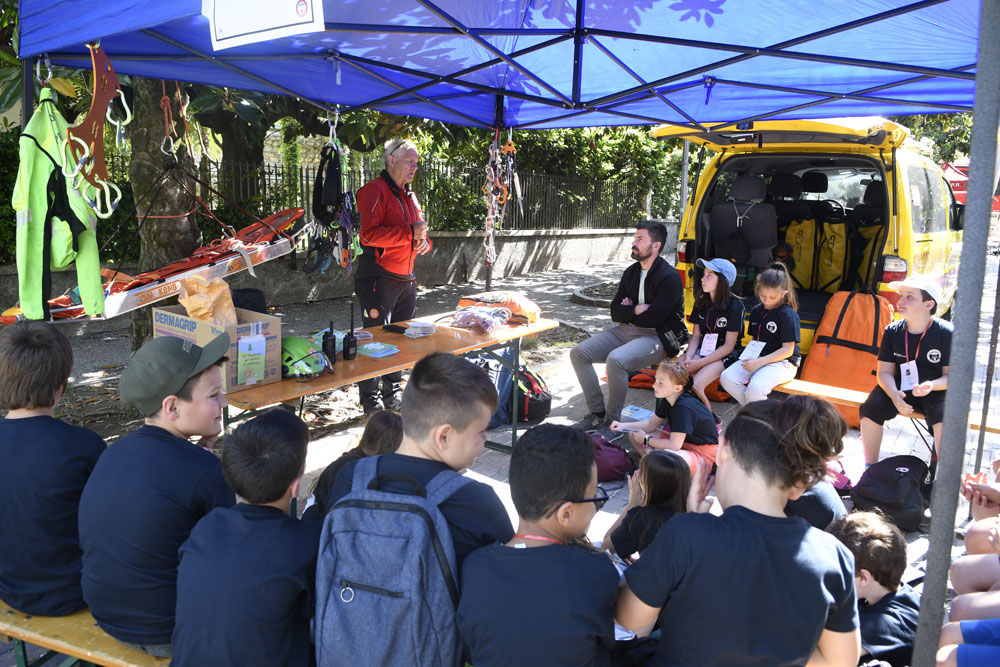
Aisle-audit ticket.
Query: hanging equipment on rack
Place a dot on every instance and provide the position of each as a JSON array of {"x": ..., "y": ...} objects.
[{"x": 501, "y": 181}]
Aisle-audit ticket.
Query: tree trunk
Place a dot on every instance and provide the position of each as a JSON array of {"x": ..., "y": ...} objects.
[
  {"x": 163, "y": 240},
  {"x": 242, "y": 155}
]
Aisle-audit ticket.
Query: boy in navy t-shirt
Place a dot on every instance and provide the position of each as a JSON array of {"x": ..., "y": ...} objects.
[
  {"x": 539, "y": 598},
  {"x": 247, "y": 573},
  {"x": 912, "y": 365},
  {"x": 447, "y": 405},
  {"x": 151, "y": 487},
  {"x": 889, "y": 610},
  {"x": 46, "y": 463}
]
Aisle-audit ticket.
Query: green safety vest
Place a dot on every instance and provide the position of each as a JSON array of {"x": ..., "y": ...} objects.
[{"x": 31, "y": 201}]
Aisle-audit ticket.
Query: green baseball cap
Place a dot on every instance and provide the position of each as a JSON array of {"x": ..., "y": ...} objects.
[{"x": 162, "y": 366}]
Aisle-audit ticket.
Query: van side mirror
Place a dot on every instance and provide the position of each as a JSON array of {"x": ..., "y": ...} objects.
[{"x": 957, "y": 219}]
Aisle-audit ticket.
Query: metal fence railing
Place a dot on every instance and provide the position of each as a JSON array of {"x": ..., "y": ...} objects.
[{"x": 448, "y": 192}]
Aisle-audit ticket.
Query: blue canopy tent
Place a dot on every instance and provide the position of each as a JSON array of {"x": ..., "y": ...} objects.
[
  {"x": 537, "y": 64},
  {"x": 574, "y": 63}
]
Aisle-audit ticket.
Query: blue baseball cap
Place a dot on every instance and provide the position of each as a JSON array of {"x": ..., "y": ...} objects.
[{"x": 723, "y": 267}]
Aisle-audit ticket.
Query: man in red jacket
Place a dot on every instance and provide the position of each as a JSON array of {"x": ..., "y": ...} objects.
[{"x": 393, "y": 233}]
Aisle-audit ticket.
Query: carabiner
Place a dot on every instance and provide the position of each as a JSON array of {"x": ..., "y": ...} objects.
[
  {"x": 128, "y": 112},
  {"x": 168, "y": 140},
  {"x": 84, "y": 158},
  {"x": 95, "y": 204}
]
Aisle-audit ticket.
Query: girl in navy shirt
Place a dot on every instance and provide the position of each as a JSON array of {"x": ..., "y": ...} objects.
[
  {"x": 656, "y": 492},
  {"x": 772, "y": 355},
  {"x": 693, "y": 434},
  {"x": 717, "y": 317}
]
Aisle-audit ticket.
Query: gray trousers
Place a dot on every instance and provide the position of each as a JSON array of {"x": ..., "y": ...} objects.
[{"x": 624, "y": 348}]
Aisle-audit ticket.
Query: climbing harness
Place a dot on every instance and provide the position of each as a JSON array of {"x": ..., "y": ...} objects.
[
  {"x": 334, "y": 235},
  {"x": 501, "y": 181}
]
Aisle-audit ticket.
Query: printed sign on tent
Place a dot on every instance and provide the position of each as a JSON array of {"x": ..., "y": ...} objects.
[{"x": 237, "y": 22}]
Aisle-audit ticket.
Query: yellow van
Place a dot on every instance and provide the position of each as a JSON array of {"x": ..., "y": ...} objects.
[{"x": 848, "y": 203}]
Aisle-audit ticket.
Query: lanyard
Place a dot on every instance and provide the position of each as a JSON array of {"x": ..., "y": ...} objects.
[
  {"x": 761, "y": 325},
  {"x": 540, "y": 538},
  {"x": 906, "y": 342}
]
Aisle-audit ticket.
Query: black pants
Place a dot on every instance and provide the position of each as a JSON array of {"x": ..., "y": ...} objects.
[{"x": 384, "y": 300}]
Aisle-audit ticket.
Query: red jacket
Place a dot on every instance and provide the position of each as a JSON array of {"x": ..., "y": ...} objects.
[{"x": 387, "y": 216}]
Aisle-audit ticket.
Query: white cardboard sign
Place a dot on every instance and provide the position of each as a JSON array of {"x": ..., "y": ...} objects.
[{"x": 238, "y": 22}]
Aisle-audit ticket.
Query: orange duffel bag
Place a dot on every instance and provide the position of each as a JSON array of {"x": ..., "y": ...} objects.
[
  {"x": 844, "y": 352},
  {"x": 515, "y": 302}
]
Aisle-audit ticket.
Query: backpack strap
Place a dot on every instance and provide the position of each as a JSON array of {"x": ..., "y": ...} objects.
[
  {"x": 444, "y": 484},
  {"x": 365, "y": 471}
]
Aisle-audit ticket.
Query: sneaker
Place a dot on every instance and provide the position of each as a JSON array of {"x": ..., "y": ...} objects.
[{"x": 590, "y": 423}]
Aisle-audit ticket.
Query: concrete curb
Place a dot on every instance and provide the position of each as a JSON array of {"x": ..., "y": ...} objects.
[{"x": 579, "y": 297}]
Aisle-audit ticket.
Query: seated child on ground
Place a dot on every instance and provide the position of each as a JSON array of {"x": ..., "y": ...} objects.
[
  {"x": 656, "y": 492},
  {"x": 717, "y": 317},
  {"x": 819, "y": 505},
  {"x": 538, "y": 598},
  {"x": 775, "y": 590},
  {"x": 150, "y": 489},
  {"x": 976, "y": 580},
  {"x": 247, "y": 573},
  {"x": 974, "y": 643},
  {"x": 889, "y": 610},
  {"x": 382, "y": 435},
  {"x": 912, "y": 365},
  {"x": 694, "y": 435},
  {"x": 447, "y": 405},
  {"x": 772, "y": 357},
  {"x": 46, "y": 463}
]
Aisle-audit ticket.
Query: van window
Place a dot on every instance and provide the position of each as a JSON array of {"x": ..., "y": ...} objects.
[{"x": 928, "y": 200}]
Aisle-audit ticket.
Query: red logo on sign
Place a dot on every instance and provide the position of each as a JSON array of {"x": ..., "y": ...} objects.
[{"x": 302, "y": 8}]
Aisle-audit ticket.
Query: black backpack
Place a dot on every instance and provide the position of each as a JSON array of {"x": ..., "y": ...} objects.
[
  {"x": 533, "y": 398},
  {"x": 899, "y": 487}
]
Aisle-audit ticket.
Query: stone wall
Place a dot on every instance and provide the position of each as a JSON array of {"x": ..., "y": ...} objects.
[{"x": 457, "y": 257}]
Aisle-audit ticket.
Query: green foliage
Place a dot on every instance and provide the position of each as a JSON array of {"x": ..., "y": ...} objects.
[
  {"x": 8, "y": 174},
  {"x": 950, "y": 132}
]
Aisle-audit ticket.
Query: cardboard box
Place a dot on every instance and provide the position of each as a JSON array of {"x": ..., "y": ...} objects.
[{"x": 173, "y": 321}]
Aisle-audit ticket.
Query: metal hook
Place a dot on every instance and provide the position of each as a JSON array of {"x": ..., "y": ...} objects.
[
  {"x": 95, "y": 204},
  {"x": 167, "y": 139},
  {"x": 128, "y": 112},
  {"x": 48, "y": 70},
  {"x": 80, "y": 161}
]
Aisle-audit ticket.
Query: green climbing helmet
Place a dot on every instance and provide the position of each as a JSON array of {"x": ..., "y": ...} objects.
[{"x": 300, "y": 358}]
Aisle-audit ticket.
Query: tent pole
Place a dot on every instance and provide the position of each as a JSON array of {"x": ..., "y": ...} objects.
[
  {"x": 27, "y": 91},
  {"x": 685, "y": 161},
  {"x": 971, "y": 275}
]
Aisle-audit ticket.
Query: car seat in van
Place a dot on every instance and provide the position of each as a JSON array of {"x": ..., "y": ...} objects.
[
  {"x": 816, "y": 182},
  {"x": 744, "y": 228},
  {"x": 788, "y": 187},
  {"x": 873, "y": 206}
]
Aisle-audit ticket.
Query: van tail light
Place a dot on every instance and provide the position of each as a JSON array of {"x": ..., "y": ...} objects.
[
  {"x": 893, "y": 268},
  {"x": 685, "y": 251}
]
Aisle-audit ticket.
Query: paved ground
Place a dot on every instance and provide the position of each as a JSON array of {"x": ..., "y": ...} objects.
[{"x": 102, "y": 349}]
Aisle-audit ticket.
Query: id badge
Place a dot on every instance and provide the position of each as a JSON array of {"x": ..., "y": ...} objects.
[
  {"x": 708, "y": 344},
  {"x": 752, "y": 350},
  {"x": 908, "y": 378}
]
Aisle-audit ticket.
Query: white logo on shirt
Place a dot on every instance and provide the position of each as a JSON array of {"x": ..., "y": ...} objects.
[
  {"x": 721, "y": 322},
  {"x": 772, "y": 327},
  {"x": 934, "y": 356}
]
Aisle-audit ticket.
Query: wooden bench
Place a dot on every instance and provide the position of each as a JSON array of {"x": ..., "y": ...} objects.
[
  {"x": 76, "y": 636},
  {"x": 848, "y": 397}
]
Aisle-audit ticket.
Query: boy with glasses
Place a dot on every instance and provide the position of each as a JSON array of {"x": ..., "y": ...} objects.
[{"x": 502, "y": 618}]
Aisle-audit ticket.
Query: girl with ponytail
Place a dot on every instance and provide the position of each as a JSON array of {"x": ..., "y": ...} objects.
[
  {"x": 693, "y": 434},
  {"x": 772, "y": 355},
  {"x": 782, "y": 589}
]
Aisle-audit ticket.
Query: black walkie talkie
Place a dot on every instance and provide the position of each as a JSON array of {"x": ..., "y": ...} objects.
[
  {"x": 350, "y": 340},
  {"x": 330, "y": 346}
]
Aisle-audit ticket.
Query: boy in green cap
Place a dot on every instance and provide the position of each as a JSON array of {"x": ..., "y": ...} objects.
[{"x": 150, "y": 488}]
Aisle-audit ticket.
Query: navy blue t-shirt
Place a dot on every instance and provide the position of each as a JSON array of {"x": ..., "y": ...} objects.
[
  {"x": 931, "y": 349},
  {"x": 819, "y": 505},
  {"x": 891, "y": 623},
  {"x": 773, "y": 583},
  {"x": 474, "y": 513},
  {"x": 691, "y": 416},
  {"x": 781, "y": 326},
  {"x": 147, "y": 492},
  {"x": 46, "y": 463},
  {"x": 638, "y": 528},
  {"x": 720, "y": 321},
  {"x": 245, "y": 589},
  {"x": 550, "y": 605}
]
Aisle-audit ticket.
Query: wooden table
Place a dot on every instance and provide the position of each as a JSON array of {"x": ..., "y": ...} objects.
[{"x": 411, "y": 350}]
